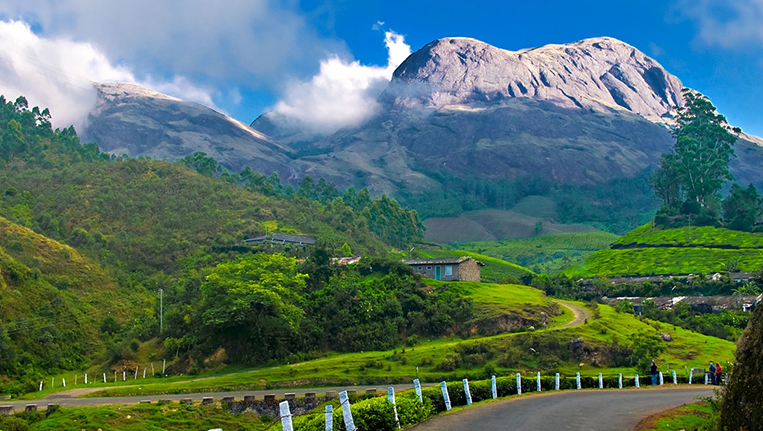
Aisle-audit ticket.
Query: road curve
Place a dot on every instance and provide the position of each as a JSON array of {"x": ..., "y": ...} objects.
[
  {"x": 581, "y": 314},
  {"x": 589, "y": 410}
]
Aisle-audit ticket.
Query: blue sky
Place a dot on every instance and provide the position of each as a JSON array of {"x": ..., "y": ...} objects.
[{"x": 246, "y": 56}]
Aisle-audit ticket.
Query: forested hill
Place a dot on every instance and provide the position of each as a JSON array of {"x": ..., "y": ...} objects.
[
  {"x": 88, "y": 239},
  {"x": 149, "y": 217}
]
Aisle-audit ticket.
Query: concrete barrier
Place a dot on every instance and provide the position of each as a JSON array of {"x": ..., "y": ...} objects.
[
  {"x": 164, "y": 402},
  {"x": 186, "y": 401},
  {"x": 6, "y": 410},
  {"x": 270, "y": 398},
  {"x": 309, "y": 395},
  {"x": 371, "y": 391},
  {"x": 249, "y": 399},
  {"x": 207, "y": 401},
  {"x": 227, "y": 400},
  {"x": 30, "y": 408},
  {"x": 290, "y": 396},
  {"x": 145, "y": 401},
  {"x": 330, "y": 395},
  {"x": 51, "y": 407}
]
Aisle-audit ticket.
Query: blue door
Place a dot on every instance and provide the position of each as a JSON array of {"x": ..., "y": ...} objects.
[{"x": 437, "y": 273}]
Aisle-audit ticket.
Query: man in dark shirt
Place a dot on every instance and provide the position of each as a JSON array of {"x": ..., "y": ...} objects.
[
  {"x": 712, "y": 373},
  {"x": 654, "y": 374}
]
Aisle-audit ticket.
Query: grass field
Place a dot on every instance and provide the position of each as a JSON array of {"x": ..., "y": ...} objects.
[
  {"x": 548, "y": 254},
  {"x": 495, "y": 270},
  {"x": 691, "y": 236},
  {"x": 689, "y": 418},
  {"x": 688, "y": 250},
  {"x": 502, "y": 354},
  {"x": 666, "y": 261}
]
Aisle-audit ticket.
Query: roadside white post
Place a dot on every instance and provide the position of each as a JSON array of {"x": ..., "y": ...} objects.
[
  {"x": 152, "y": 370},
  {"x": 85, "y": 378},
  {"x": 136, "y": 373},
  {"x": 64, "y": 381},
  {"x": 40, "y": 385},
  {"x": 115, "y": 376},
  {"x": 519, "y": 384},
  {"x": 691, "y": 374},
  {"x": 164, "y": 368},
  {"x": 538, "y": 380},
  {"x": 144, "y": 372},
  {"x": 75, "y": 379},
  {"x": 329, "y": 418},
  {"x": 494, "y": 387},
  {"x": 445, "y": 396},
  {"x": 662, "y": 381},
  {"x": 620, "y": 381},
  {"x": 601, "y": 382},
  {"x": 577, "y": 379},
  {"x": 349, "y": 424},
  {"x": 391, "y": 399},
  {"x": 417, "y": 387},
  {"x": 637, "y": 382},
  {"x": 557, "y": 381},
  {"x": 286, "y": 416},
  {"x": 52, "y": 383},
  {"x": 124, "y": 375},
  {"x": 675, "y": 378},
  {"x": 104, "y": 377},
  {"x": 467, "y": 393}
]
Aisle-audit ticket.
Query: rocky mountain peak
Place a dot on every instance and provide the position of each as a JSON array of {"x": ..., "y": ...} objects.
[{"x": 602, "y": 74}]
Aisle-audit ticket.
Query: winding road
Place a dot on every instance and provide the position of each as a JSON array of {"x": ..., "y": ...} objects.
[
  {"x": 581, "y": 314},
  {"x": 589, "y": 410}
]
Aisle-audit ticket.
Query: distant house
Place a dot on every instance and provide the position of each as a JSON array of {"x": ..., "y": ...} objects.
[
  {"x": 463, "y": 268},
  {"x": 279, "y": 238}
]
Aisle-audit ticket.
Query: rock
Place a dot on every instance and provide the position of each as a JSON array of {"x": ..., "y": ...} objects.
[{"x": 665, "y": 336}]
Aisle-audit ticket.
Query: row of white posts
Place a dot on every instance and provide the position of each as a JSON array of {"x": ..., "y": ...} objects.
[
  {"x": 286, "y": 416},
  {"x": 124, "y": 376}
]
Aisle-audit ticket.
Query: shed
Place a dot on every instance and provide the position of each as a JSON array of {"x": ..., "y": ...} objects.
[{"x": 463, "y": 268}]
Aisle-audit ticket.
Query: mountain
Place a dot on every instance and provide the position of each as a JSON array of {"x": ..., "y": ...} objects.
[{"x": 129, "y": 119}]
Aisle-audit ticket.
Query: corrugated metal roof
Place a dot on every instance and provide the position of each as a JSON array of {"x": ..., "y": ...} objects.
[
  {"x": 279, "y": 237},
  {"x": 441, "y": 261}
]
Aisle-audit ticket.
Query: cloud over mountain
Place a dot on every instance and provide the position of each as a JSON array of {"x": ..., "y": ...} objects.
[
  {"x": 59, "y": 73},
  {"x": 343, "y": 93}
]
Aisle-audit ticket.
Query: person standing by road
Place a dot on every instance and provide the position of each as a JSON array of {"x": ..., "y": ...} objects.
[
  {"x": 718, "y": 374},
  {"x": 654, "y": 374},
  {"x": 712, "y": 373}
]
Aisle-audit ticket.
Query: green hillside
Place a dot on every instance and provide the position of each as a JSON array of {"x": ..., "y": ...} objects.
[
  {"x": 548, "y": 254},
  {"x": 495, "y": 270},
  {"x": 652, "y": 250},
  {"x": 52, "y": 306}
]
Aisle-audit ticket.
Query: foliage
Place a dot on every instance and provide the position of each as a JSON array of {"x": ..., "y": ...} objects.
[
  {"x": 740, "y": 405},
  {"x": 742, "y": 208},
  {"x": 689, "y": 236},
  {"x": 646, "y": 347},
  {"x": 692, "y": 174}
]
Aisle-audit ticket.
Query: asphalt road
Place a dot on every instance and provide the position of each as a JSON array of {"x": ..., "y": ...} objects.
[{"x": 589, "y": 410}]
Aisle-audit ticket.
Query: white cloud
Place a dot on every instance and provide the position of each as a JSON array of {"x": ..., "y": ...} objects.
[
  {"x": 726, "y": 23},
  {"x": 343, "y": 93},
  {"x": 238, "y": 41},
  {"x": 59, "y": 74}
]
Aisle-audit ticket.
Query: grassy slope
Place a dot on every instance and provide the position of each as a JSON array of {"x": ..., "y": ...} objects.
[
  {"x": 494, "y": 270},
  {"x": 546, "y": 253},
  {"x": 675, "y": 251},
  {"x": 688, "y": 349},
  {"x": 53, "y": 297}
]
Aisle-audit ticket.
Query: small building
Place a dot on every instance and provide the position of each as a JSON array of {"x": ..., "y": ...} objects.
[
  {"x": 280, "y": 238},
  {"x": 463, "y": 268}
]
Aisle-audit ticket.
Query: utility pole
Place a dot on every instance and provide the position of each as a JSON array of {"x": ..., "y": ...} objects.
[{"x": 161, "y": 310}]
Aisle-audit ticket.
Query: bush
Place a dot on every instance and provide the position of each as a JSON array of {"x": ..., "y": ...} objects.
[{"x": 13, "y": 424}]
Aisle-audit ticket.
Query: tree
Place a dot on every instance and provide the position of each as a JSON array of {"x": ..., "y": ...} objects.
[
  {"x": 698, "y": 166},
  {"x": 251, "y": 306},
  {"x": 646, "y": 347},
  {"x": 742, "y": 208},
  {"x": 202, "y": 163},
  {"x": 740, "y": 405}
]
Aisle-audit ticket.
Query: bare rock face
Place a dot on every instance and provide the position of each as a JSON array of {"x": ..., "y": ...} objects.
[
  {"x": 602, "y": 74},
  {"x": 135, "y": 121}
]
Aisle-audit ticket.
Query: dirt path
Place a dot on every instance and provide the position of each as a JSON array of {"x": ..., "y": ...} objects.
[{"x": 581, "y": 314}]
